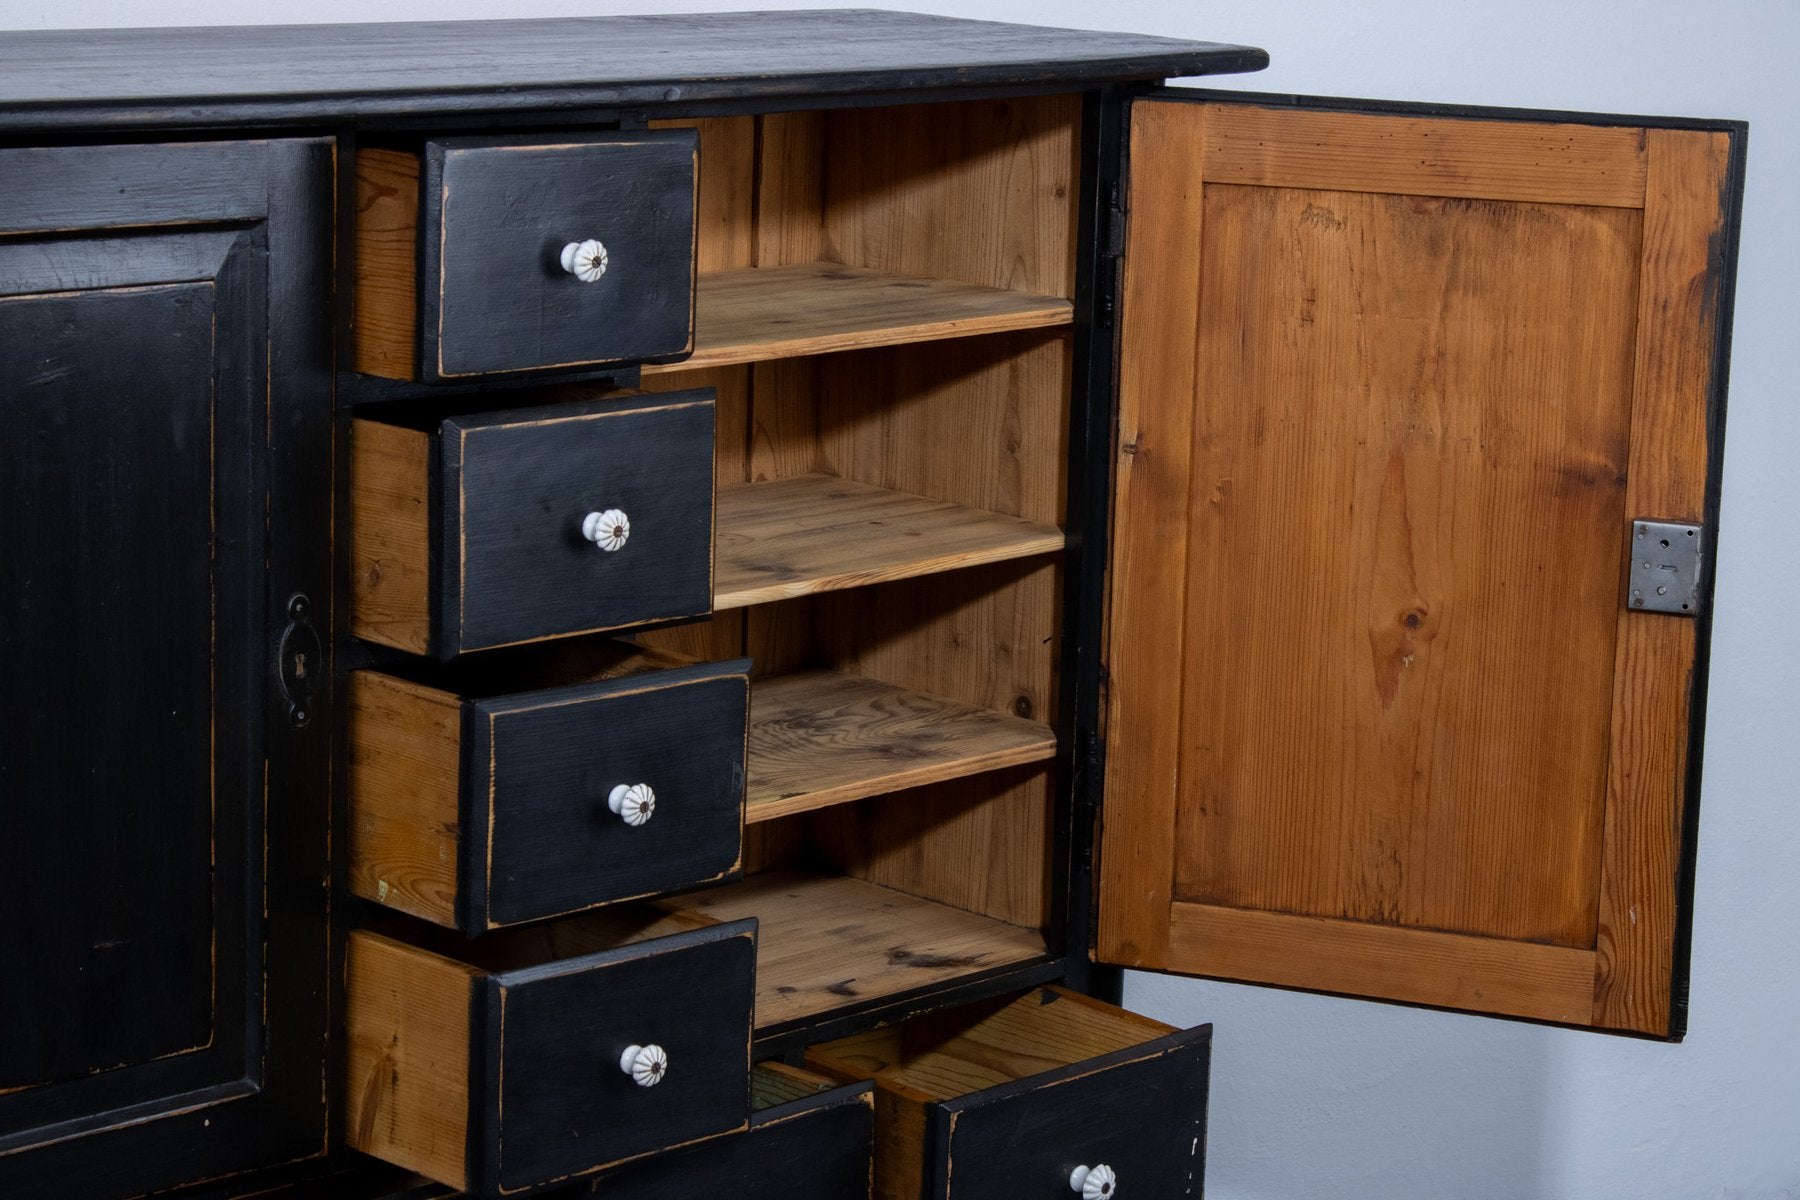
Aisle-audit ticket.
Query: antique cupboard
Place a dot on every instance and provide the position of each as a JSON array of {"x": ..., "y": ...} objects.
[{"x": 579, "y": 590}]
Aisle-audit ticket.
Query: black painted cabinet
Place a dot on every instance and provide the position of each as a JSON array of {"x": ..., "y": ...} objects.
[
  {"x": 867, "y": 375},
  {"x": 165, "y": 417}
]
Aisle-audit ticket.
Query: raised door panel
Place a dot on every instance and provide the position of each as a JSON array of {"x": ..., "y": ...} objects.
[
  {"x": 164, "y": 485},
  {"x": 1396, "y": 386}
]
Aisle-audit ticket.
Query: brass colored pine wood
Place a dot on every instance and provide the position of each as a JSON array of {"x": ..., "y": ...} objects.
[
  {"x": 385, "y": 247},
  {"x": 1450, "y": 970},
  {"x": 822, "y": 308},
  {"x": 1537, "y": 162},
  {"x": 827, "y": 941},
  {"x": 406, "y": 1062},
  {"x": 1153, "y": 465},
  {"x": 405, "y": 755},
  {"x": 982, "y": 190},
  {"x": 794, "y": 537},
  {"x": 390, "y": 523},
  {"x": 819, "y": 738},
  {"x": 1652, "y": 688},
  {"x": 1381, "y": 433}
]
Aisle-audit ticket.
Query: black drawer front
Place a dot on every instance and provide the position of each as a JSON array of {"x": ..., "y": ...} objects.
[
  {"x": 558, "y": 1104},
  {"x": 1141, "y": 1112},
  {"x": 495, "y": 295},
  {"x": 515, "y": 564},
  {"x": 815, "y": 1149},
  {"x": 543, "y": 838}
]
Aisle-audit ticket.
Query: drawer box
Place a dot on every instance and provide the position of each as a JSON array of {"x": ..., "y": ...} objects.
[
  {"x": 459, "y": 254},
  {"x": 496, "y": 528},
  {"x": 1015, "y": 1096},
  {"x": 809, "y": 1139},
  {"x": 476, "y": 807},
  {"x": 540, "y": 1055}
]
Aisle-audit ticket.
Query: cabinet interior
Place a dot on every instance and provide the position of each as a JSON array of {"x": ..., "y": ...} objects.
[{"x": 883, "y": 311}]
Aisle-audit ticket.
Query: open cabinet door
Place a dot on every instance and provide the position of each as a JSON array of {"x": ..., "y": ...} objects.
[{"x": 1399, "y": 389}]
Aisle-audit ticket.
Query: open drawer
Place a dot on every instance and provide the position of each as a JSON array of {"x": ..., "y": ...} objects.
[
  {"x": 540, "y": 1055},
  {"x": 1032, "y": 1097},
  {"x": 505, "y": 792}
]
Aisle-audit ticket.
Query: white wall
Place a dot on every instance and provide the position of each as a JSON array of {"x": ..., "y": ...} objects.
[{"x": 1320, "y": 1097}]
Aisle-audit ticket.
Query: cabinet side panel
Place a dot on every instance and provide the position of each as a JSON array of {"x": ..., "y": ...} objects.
[
  {"x": 390, "y": 521},
  {"x": 384, "y": 334}
]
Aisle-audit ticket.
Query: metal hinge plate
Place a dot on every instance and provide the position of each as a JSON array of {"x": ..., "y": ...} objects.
[{"x": 1665, "y": 568}]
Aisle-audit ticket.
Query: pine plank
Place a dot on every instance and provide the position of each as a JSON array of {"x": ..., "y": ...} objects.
[
  {"x": 1678, "y": 296},
  {"x": 1420, "y": 966},
  {"x": 816, "y": 533},
  {"x": 819, "y": 738},
  {"x": 826, "y": 941},
  {"x": 764, "y": 313},
  {"x": 390, "y": 531},
  {"x": 1533, "y": 161}
]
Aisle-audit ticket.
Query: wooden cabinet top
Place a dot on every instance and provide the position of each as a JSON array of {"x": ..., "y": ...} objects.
[{"x": 306, "y": 74}]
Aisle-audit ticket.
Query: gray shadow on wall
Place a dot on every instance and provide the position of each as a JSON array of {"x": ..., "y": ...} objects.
[{"x": 1319, "y": 1096}]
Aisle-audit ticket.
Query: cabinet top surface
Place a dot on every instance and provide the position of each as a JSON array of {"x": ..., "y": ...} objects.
[{"x": 297, "y": 74}]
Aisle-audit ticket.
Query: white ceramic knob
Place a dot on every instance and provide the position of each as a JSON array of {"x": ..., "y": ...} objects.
[
  {"x": 645, "y": 1064},
  {"x": 1094, "y": 1183},
  {"x": 585, "y": 260},
  {"x": 634, "y": 802},
  {"x": 607, "y": 530}
]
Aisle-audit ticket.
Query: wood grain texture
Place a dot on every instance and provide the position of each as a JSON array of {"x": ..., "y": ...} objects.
[
  {"x": 1376, "y": 727},
  {"x": 816, "y": 533},
  {"x": 790, "y": 189},
  {"x": 1158, "y": 397},
  {"x": 1533, "y": 161},
  {"x": 819, "y": 738},
  {"x": 823, "y": 308},
  {"x": 1413, "y": 429},
  {"x": 404, "y": 742},
  {"x": 982, "y": 191},
  {"x": 406, "y": 1066},
  {"x": 390, "y": 532},
  {"x": 384, "y": 321},
  {"x": 1492, "y": 975},
  {"x": 1682, "y": 278},
  {"x": 323, "y": 74},
  {"x": 825, "y": 941}
]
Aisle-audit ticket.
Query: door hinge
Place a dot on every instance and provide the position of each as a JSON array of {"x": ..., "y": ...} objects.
[{"x": 1665, "y": 567}]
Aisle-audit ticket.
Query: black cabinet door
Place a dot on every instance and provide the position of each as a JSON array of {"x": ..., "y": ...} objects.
[{"x": 165, "y": 497}]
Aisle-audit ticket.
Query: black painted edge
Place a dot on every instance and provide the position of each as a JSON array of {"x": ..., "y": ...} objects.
[
  {"x": 514, "y": 703},
  {"x": 1182, "y": 1040},
  {"x": 1426, "y": 108},
  {"x": 1722, "y": 281},
  {"x": 670, "y": 943},
  {"x": 443, "y": 636},
  {"x": 1183, "y": 60},
  {"x": 475, "y": 755},
  {"x": 428, "y": 263},
  {"x": 481, "y": 1136},
  {"x": 600, "y": 406}
]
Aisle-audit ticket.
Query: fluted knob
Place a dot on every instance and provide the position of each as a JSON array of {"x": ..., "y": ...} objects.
[
  {"x": 585, "y": 260},
  {"x": 645, "y": 1064},
  {"x": 607, "y": 530},
  {"x": 1094, "y": 1183},
  {"x": 634, "y": 802}
]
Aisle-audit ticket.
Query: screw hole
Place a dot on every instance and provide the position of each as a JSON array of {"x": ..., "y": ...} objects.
[
  {"x": 1665, "y": 543},
  {"x": 1690, "y": 533}
]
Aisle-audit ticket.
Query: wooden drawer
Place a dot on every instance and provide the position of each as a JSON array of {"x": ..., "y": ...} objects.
[
  {"x": 1012, "y": 1096},
  {"x": 460, "y": 263},
  {"x": 809, "y": 1139},
  {"x": 500, "y": 1065},
  {"x": 497, "y": 528},
  {"x": 476, "y": 807}
]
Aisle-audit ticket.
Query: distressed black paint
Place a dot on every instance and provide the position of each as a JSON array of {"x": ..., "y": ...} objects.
[
  {"x": 494, "y": 296},
  {"x": 514, "y": 488}
]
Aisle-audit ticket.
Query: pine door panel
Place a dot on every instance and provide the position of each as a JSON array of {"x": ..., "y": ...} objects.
[{"x": 1393, "y": 389}]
